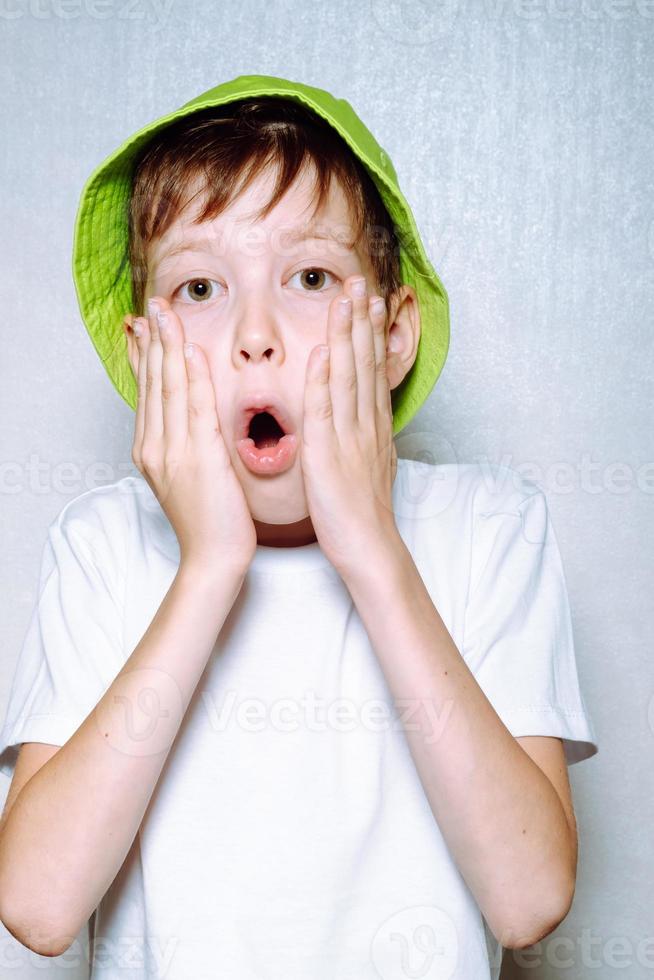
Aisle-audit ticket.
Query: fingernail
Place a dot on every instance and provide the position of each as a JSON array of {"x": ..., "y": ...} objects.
[
  {"x": 137, "y": 328},
  {"x": 378, "y": 307},
  {"x": 153, "y": 308},
  {"x": 162, "y": 323},
  {"x": 358, "y": 287}
]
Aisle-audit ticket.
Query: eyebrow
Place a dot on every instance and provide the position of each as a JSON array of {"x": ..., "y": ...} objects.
[
  {"x": 292, "y": 236},
  {"x": 302, "y": 233},
  {"x": 193, "y": 245}
]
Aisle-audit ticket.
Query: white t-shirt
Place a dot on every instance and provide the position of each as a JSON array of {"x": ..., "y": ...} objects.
[{"x": 289, "y": 835}]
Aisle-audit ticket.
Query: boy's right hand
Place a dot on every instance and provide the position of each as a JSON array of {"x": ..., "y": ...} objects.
[{"x": 179, "y": 449}]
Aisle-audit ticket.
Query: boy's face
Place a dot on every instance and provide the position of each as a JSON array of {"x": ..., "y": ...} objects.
[{"x": 257, "y": 301}]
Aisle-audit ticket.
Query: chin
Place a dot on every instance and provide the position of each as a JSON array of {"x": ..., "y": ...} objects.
[{"x": 279, "y": 500}]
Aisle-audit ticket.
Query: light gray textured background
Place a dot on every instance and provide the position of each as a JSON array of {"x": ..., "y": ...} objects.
[{"x": 522, "y": 135}]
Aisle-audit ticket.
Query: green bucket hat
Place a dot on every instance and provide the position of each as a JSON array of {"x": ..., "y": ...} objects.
[{"x": 100, "y": 261}]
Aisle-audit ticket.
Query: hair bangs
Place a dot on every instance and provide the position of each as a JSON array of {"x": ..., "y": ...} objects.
[{"x": 205, "y": 161}]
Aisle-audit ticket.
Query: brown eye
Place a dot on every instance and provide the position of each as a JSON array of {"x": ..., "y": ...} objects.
[
  {"x": 313, "y": 279},
  {"x": 199, "y": 290}
]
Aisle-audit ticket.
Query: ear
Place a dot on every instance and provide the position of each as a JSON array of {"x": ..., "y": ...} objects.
[
  {"x": 403, "y": 334},
  {"x": 132, "y": 349}
]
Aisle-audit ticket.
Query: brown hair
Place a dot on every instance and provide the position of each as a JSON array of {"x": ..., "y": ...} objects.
[{"x": 227, "y": 147}]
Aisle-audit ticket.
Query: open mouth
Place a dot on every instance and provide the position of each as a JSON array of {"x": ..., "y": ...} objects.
[
  {"x": 265, "y": 430},
  {"x": 265, "y": 438}
]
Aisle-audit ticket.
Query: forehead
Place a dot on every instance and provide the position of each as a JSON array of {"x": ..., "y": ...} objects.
[{"x": 289, "y": 223}]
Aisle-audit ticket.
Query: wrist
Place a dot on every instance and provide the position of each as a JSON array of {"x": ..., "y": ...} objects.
[
  {"x": 210, "y": 576},
  {"x": 383, "y": 557}
]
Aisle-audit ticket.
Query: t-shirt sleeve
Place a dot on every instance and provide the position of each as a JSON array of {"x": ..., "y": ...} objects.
[
  {"x": 72, "y": 650},
  {"x": 518, "y": 638}
]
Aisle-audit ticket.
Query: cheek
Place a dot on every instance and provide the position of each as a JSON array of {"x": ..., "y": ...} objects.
[
  {"x": 198, "y": 325},
  {"x": 298, "y": 363},
  {"x": 223, "y": 397},
  {"x": 222, "y": 388}
]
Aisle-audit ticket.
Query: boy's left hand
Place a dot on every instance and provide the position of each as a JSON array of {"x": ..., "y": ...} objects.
[{"x": 348, "y": 455}]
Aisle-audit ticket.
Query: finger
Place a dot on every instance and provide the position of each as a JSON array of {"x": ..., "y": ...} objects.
[
  {"x": 342, "y": 369},
  {"x": 174, "y": 382},
  {"x": 203, "y": 423},
  {"x": 153, "y": 429},
  {"x": 318, "y": 418},
  {"x": 364, "y": 358},
  {"x": 382, "y": 389},
  {"x": 142, "y": 335}
]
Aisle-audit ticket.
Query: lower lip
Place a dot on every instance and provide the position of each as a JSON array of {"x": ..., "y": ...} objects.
[{"x": 268, "y": 460}]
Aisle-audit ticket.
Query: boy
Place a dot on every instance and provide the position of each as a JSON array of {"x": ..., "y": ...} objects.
[{"x": 289, "y": 706}]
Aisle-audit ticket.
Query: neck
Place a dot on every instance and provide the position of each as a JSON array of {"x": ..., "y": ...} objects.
[{"x": 285, "y": 535}]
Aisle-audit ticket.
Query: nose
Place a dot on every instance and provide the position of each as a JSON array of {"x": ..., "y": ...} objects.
[
  {"x": 257, "y": 337},
  {"x": 256, "y": 350}
]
